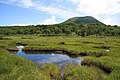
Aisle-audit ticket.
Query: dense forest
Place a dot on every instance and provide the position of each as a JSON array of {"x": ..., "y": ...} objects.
[{"x": 65, "y": 28}]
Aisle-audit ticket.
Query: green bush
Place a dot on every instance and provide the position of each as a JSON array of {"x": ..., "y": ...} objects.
[{"x": 75, "y": 72}]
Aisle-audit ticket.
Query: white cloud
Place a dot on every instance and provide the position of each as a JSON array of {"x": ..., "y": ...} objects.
[
  {"x": 55, "y": 11},
  {"x": 95, "y": 8},
  {"x": 51, "y": 20},
  {"x": 37, "y": 5},
  {"x": 12, "y": 0},
  {"x": 25, "y": 3},
  {"x": 21, "y": 3},
  {"x": 21, "y": 24},
  {"x": 75, "y": 1},
  {"x": 108, "y": 21},
  {"x": 98, "y": 7}
]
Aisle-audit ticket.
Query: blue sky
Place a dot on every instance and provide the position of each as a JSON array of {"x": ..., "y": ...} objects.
[{"x": 27, "y": 12}]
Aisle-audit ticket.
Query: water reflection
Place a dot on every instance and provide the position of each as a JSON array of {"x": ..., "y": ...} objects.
[{"x": 46, "y": 57}]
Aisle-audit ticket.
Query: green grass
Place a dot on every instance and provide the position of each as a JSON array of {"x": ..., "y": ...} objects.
[
  {"x": 75, "y": 72},
  {"x": 95, "y": 49},
  {"x": 17, "y": 68},
  {"x": 52, "y": 70}
]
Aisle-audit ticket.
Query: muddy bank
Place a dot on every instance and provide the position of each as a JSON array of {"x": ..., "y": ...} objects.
[
  {"x": 106, "y": 70},
  {"x": 64, "y": 51}
]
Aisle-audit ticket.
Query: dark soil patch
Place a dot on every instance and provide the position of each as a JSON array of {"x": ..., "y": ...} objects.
[
  {"x": 87, "y": 42},
  {"x": 23, "y": 44},
  {"x": 102, "y": 47},
  {"x": 105, "y": 69},
  {"x": 63, "y": 43}
]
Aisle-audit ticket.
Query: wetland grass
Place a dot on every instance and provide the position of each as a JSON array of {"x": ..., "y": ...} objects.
[{"x": 95, "y": 50}]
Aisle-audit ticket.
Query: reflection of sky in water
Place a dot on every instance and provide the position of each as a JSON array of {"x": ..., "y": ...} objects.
[{"x": 41, "y": 59}]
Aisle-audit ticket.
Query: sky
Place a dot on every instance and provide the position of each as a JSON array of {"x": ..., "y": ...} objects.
[{"x": 33, "y": 12}]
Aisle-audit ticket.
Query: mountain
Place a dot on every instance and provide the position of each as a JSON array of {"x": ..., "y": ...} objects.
[{"x": 86, "y": 19}]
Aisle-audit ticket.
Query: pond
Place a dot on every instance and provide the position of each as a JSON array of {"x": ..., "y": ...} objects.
[{"x": 56, "y": 57}]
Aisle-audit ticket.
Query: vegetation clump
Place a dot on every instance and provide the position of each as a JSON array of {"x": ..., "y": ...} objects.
[{"x": 75, "y": 72}]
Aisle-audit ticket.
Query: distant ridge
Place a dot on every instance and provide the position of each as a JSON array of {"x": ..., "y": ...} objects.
[{"x": 86, "y": 19}]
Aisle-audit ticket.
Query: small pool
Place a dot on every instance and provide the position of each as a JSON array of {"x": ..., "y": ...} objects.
[{"x": 55, "y": 57}]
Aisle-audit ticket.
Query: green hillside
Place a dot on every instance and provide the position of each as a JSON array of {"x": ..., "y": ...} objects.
[{"x": 86, "y": 19}]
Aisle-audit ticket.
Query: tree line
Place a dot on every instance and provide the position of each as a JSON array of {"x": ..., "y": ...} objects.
[{"x": 82, "y": 29}]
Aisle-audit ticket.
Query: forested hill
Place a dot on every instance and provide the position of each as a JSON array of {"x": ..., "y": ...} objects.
[
  {"x": 86, "y": 19},
  {"x": 74, "y": 26}
]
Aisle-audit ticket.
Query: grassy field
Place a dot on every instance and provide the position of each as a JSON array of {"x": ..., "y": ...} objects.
[{"x": 101, "y": 58}]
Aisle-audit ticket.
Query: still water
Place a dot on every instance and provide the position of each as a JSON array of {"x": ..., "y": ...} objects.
[{"x": 55, "y": 57}]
